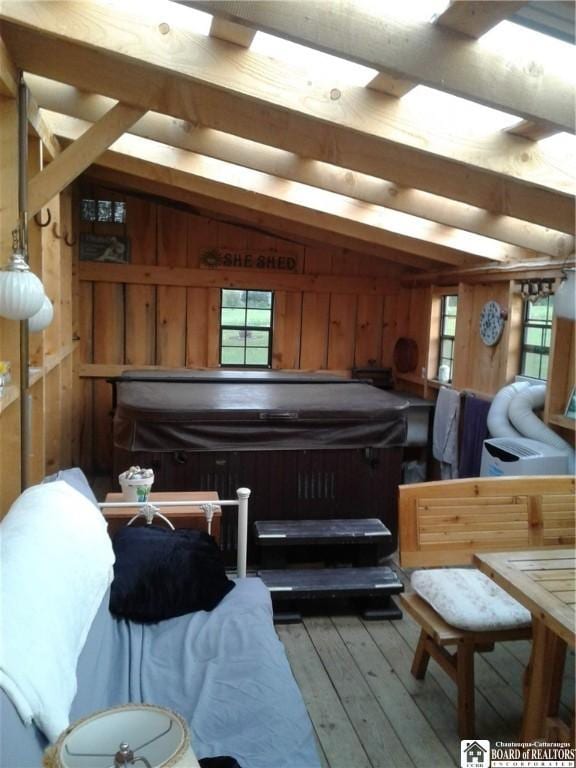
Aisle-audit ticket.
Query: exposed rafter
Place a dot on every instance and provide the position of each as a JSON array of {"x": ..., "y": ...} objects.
[
  {"x": 299, "y": 231},
  {"x": 175, "y": 73},
  {"x": 253, "y": 189},
  {"x": 475, "y": 17},
  {"x": 80, "y": 155},
  {"x": 520, "y": 83},
  {"x": 90, "y": 107}
]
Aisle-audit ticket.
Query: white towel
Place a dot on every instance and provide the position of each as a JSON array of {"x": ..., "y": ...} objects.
[
  {"x": 56, "y": 567},
  {"x": 445, "y": 431}
]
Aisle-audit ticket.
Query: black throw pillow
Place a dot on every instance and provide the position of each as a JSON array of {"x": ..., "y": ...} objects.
[{"x": 159, "y": 573}]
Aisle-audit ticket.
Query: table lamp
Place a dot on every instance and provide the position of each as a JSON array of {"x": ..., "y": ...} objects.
[{"x": 134, "y": 734}]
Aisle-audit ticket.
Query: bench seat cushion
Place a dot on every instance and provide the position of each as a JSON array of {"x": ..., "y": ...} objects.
[{"x": 467, "y": 599}]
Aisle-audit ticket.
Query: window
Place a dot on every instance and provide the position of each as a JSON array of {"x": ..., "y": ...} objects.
[
  {"x": 448, "y": 307},
  {"x": 110, "y": 211},
  {"x": 246, "y": 328},
  {"x": 536, "y": 335}
]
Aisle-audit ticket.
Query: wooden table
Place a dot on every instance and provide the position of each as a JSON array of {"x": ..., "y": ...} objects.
[
  {"x": 542, "y": 580},
  {"x": 181, "y": 517}
]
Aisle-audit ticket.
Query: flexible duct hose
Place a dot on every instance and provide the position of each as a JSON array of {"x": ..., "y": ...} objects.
[
  {"x": 520, "y": 413},
  {"x": 498, "y": 421}
]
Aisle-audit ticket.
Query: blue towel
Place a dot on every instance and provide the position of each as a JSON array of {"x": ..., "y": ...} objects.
[{"x": 474, "y": 432}]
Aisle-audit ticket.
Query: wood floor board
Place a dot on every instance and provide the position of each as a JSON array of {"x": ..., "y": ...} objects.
[
  {"x": 379, "y": 739},
  {"x": 397, "y": 704},
  {"x": 435, "y": 705},
  {"x": 340, "y": 743}
]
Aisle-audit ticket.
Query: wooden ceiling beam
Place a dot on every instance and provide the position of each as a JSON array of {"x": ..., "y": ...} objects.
[
  {"x": 232, "y": 33},
  {"x": 284, "y": 199},
  {"x": 528, "y": 129},
  {"x": 8, "y": 73},
  {"x": 68, "y": 165},
  {"x": 67, "y": 100},
  {"x": 476, "y": 17},
  {"x": 218, "y": 84},
  {"x": 517, "y": 82},
  {"x": 422, "y": 237},
  {"x": 297, "y": 231}
]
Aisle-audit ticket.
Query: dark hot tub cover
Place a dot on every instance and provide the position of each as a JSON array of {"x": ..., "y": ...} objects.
[{"x": 215, "y": 413}]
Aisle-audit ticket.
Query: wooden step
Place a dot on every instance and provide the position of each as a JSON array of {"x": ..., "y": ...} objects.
[
  {"x": 272, "y": 533},
  {"x": 293, "y": 587},
  {"x": 331, "y": 582}
]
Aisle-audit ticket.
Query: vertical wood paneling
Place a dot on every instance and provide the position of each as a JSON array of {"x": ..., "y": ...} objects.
[
  {"x": 171, "y": 326},
  {"x": 86, "y": 322},
  {"x": 342, "y": 331},
  {"x": 141, "y": 230},
  {"x": 213, "y": 327},
  {"x": 51, "y": 277},
  {"x": 462, "y": 345},
  {"x": 53, "y": 416},
  {"x": 202, "y": 236},
  {"x": 66, "y": 412},
  {"x": 37, "y": 456},
  {"x": 314, "y": 338},
  {"x": 102, "y": 426},
  {"x": 287, "y": 330},
  {"x": 368, "y": 331},
  {"x": 390, "y": 331},
  {"x": 35, "y": 340},
  {"x": 172, "y": 236},
  {"x": 108, "y": 323},
  {"x": 140, "y": 343},
  {"x": 317, "y": 262},
  {"x": 197, "y": 321},
  {"x": 345, "y": 263},
  {"x": 65, "y": 269}
]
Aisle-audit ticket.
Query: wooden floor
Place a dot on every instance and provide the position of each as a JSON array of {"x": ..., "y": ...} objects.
[{"x": 369, "y": 712}]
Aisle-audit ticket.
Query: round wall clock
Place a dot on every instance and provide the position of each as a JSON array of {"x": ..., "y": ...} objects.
[{"x": 492, "y": 320}]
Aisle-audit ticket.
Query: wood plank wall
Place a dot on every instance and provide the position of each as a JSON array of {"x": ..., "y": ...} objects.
[
  {"x": 53, "y": 396},
  {"x": 162, "y": 309}
]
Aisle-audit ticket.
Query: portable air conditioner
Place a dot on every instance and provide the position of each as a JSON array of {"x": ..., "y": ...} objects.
[{"x": 521, "y": 456}]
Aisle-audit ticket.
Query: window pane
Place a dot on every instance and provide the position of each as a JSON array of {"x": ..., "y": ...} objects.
[
  {"x": 256, "y": 356},
  {"x": 119, "y": 213},
  {"x": 88, "y": 210},
  {"x": 446, "y": 348},
  {"x": 231, "y": 356},
  {"x": 547, "y": 338},
  {"x": 233, "y": 317},
  {"x": 257, "y": 339},
  {"x": 260, "y": 299},
  {"x": 538, "y": 310},
  {"x": 544, "y": 367},
  {"x": 104, "y": 210},
  {"x": 232, "y": 338},
  {"x": 533, "y": 337},
  {"x": 449, "y": 326},
  {"x": 451, "y": 305},
  {"x": 260, "y": 317},
  {"x": 233, "y": 298},
  {"x": 531, "y": 365}
]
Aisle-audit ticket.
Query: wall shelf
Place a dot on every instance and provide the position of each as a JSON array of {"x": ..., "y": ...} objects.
[{"x": 8, "y": 395}]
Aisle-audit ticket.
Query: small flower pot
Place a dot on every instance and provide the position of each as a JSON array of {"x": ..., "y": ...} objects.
[{"x": 136, "y": 488}]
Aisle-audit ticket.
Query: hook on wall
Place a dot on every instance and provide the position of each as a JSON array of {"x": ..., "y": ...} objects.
[
  {"x": 55, "y": 232},
  {"x": 38, "y": 218}
]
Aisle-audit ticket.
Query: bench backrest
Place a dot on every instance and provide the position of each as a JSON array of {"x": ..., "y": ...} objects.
[{"x": 445, "y": 522}]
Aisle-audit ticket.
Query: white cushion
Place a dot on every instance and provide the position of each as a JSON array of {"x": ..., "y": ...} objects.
[
  {"x": 56, "y": 567},
  {"x": 467, "y": 599}
]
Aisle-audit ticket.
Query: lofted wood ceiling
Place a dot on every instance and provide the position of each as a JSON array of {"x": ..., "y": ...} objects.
[{"x": 136, "y": 92}]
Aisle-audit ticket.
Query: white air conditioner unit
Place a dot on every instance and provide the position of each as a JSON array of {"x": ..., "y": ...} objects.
[{"x": 503, "y": 456}]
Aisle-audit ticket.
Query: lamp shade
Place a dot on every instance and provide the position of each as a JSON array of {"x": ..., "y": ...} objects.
[
  {"x": 21, "y": 292},
  {"x": 565, "y": 296},
  {"x": 120, "y": 735},
  {"x": 42, "y": 318}
]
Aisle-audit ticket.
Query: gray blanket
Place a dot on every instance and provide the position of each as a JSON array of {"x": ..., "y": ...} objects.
[{"x": 224, "y": 671}]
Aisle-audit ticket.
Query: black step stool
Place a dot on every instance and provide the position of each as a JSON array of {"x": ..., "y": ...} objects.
[{"x": 355, "y": 540}]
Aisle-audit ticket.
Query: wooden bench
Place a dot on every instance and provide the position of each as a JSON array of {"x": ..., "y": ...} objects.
[{"x": 443, "y": 524}]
